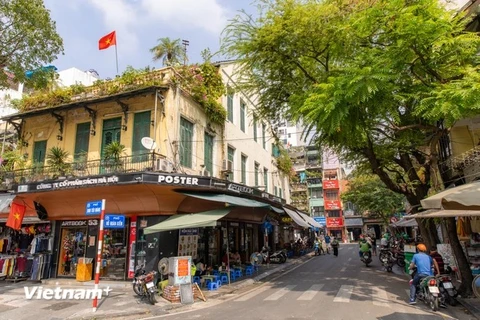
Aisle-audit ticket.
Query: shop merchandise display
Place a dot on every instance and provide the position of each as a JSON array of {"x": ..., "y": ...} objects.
[{"x": 25, "y": 254}]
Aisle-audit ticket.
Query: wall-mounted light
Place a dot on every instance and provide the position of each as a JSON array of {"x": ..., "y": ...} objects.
[
  {"x": 124, "y": 127},
  {"x": 59, "y": 137},
  {"x": 92, "y": 132}
]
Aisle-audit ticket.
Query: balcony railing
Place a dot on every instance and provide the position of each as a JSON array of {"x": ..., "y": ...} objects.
[
  {"x": 465, "y": 159},
  {"x": 85, "y": 168}
]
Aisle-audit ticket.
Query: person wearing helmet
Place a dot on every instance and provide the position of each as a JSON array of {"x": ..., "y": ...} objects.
[{"x": 424, "y": 264}]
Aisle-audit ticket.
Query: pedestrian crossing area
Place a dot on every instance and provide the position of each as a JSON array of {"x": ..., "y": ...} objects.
[{"x": 379, "y": 296}]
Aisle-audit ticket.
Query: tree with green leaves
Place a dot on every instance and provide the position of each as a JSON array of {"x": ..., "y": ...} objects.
[
  {"x": 28, "y": 40},
  {"x": 371, "y": 195},
  {"x": 381, "y": 82},
  {"x": 169, "y": 51}
]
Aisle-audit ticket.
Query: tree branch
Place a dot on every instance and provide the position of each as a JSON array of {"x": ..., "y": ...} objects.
[{"x": 432, "y": 72}]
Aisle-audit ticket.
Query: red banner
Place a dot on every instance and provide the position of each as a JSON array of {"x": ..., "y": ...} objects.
[
  {"x": 330, "y": 184},
  {"x": 334, "y": 222},
  {"x": 332, "y": 205},
  {"x": 131, "y": 247}
]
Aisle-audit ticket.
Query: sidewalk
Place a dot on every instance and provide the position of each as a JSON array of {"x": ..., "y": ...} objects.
[{"x": 121, "y": 301}]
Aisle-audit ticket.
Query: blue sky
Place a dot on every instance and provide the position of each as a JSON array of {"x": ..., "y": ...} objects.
[{"x": 138, "y": 23}]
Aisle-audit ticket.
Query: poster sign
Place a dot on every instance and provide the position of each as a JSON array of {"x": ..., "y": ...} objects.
[
  {"x": 183, "y": 267},
  {"x": 188, "y": 242},
  {"x": 131, "y": 247}
]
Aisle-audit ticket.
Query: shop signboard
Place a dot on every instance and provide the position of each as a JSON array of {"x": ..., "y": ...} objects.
[
  {"x": 321, "y": 220},
  {"x": 114, "y": 221},
  {"x": 353, "y": 222},
  {"x": 332, "y": 205},
  {"x": 334, "y": 222},
  {"x": 93, "y": 208},
  {"x": 330, "y": 184}
]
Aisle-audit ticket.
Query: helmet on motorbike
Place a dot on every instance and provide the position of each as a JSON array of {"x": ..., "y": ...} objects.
[{"x": 421, "y": 247}]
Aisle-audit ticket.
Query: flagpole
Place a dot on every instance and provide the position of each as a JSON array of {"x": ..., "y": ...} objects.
[{"x": 116, "y": 56}]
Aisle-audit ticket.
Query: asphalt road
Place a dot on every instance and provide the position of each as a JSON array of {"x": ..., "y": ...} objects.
[{"x": 325, "y": 287}]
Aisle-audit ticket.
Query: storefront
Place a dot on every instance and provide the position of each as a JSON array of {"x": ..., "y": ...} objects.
[
  {"x": 335, "y": 227},
  {"x": 354, "y": 228}
]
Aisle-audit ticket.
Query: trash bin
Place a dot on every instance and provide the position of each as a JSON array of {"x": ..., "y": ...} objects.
[
  {"x": 84, "y": 269},
  {"x": 408, "y": 260}
]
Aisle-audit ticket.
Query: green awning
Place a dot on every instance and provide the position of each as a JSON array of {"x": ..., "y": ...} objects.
[
  {"x": 190, "y": 220},
  {"x": 237, "y": 201}
]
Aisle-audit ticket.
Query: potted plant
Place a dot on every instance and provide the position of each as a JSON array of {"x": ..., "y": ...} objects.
[
  {"x": 12, "y": 160},
  {"x": 57, "y": 161},
  {"x": 112, "y": 155}
]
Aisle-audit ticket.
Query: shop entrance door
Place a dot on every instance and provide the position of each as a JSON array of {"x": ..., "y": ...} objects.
[
  {"x": 72, "y": 247},
  {"x": 114, "y": 260}
]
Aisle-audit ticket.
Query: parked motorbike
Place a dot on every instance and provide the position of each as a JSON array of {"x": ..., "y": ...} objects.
[
  {"x": 387, "y": 259},
  {"x": 367, "y": 257},
  {"x": 278, "y": 257},
  {"x": 448, "y": 292},
  {"x": 265, "y": 255},
  {"x": 144, "y": 284}
]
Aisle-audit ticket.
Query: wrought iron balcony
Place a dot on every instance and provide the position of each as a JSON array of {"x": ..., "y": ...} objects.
[
  {"x": 465, "y": 159},
  {"x": 84, "y": 168}
]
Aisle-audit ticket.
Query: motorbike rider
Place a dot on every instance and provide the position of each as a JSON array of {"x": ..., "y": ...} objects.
[
  {"x": 424, "y": 264},
  {"x": 364, "y": 247},
  {"x": 440, "y": 266}
]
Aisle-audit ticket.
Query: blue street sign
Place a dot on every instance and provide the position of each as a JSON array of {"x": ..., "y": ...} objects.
[
  {"x": 114, "y": 221},
  {"x": 320, "y": 220},
  {"x": 93, "y": 208}
]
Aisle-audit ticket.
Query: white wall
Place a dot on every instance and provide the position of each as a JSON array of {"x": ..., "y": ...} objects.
[{"x": 244, "y": 144}]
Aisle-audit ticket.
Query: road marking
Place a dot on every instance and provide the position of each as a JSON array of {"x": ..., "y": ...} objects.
[
  {"x": 280, "y": 293},
  {"x": 311, "y": 293},
  {"x": 343, "y": 269},
  {"x": 344, "y": 294},
  {"x": 380, "y": 297},
  {"x": 252, "y": 294}
]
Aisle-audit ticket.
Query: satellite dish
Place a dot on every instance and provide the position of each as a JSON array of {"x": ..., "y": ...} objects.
[{"x": 149, "y": 143}]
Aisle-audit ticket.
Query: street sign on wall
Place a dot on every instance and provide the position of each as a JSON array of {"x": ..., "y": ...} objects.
[
  {"x": 93, "y": 208},
  {"x": 114, "y": 221}
]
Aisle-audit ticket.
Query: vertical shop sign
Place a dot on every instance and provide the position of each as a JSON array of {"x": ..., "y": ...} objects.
[
  {"x": 188, "y": 242},
  {"x": 131, "y": 247}
]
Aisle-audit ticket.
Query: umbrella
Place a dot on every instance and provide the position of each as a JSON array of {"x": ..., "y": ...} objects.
[{"x": 464, "y": 197}]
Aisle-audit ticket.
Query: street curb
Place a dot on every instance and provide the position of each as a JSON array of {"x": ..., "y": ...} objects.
[{"x": 474, "y": 311}]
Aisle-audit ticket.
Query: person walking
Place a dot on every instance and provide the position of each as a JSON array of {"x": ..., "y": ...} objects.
[
  {"x": 327, "y": 243},
  {"x": 374, "y": 245},
  {"x": 335, "y": 246}
]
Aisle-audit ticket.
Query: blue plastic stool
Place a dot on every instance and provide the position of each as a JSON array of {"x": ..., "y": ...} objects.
[
  {"x": 212, "y": 286},
  {"x": 232, "y": 276},
  {"x": 215, "y": 272},
  {"x": 197, "y": 280},
  {"x": 238, "y": 273},
  {"x": 219, "y": 283},
  {"x": 248, "y": 270},
  {"x": 224, "y": 279},
  {"x": 207, "y": 282}
]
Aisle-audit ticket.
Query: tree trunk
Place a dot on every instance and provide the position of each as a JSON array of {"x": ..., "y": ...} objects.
[{"x": 463, "y": 266}]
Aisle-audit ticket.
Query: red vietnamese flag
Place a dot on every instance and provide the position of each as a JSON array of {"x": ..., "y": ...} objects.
[
  {"x": 107, "y": 41},
  {"x": 15, "y": 217}
]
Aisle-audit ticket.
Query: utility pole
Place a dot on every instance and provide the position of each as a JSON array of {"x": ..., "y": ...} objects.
[{"x": 185, "y": 43}]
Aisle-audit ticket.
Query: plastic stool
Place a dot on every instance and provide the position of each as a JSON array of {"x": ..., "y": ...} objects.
[
  {"x": 207, "y": 282},
  {"x": 224, "y": 279},
  {"x": 232, "y": 276},
  {"x": 212, "y": 286},
  {"x": 238, "y": 273},
  {"x": 197, "y": 280},
  {"x": 219, "y": 283},
  {"x": 215, "y": 272},
  {"x": 249, "y": 270}
]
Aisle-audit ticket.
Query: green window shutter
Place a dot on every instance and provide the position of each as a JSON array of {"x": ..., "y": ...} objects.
[
  {"x": 275, "y": 190},
  {"x": 257, "y": 172},
  {"x": 265, "y": 179},
  {"x": 208, "y": 146},
  {"x": 255, "y": 129},
  {"x": 231, "y": 157},
  {"x": 280, "y": 193},
  {"x": 141, "y": 128},
  {"x": 264, "y": 141},
  {"x": 186, "y": 137},
  {"x": 39, "y": 151},
  {"x": 244, "y": 169},
  {"x": 230, "y": 104},
  {"x": 82, "y": 140},
  {"x": 242, "y": 116}
]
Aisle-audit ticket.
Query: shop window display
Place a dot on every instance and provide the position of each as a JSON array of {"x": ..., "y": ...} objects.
[
  {"x": 114, "y": 256},
  {"x": 72, "y": 248}
]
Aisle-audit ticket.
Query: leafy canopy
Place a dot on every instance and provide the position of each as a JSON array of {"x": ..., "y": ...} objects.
[
  {"x": 169, "y": 51},
  {"x": 374, "y": 78},
  {"x": 28, "y": 39},
  {"x": 371, "y": 195}
]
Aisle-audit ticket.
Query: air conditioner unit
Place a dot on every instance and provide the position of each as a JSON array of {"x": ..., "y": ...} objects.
[
  {"x": 205, "y": 173},
  {"x": 163, "y": 165},
  {"x": 227, "y": 165}
]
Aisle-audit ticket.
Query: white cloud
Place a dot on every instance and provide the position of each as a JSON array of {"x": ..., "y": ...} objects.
[{"x": 129, "y": 17}]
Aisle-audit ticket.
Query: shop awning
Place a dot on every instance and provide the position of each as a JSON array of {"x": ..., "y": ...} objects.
[
  {"x": 5, "y": 201},
  {"x": 296, "y": 217},
  {"x": 310, "y": 220},
  {"x": 405, "y": 223},
  {"x": 457, "y": 198},
  {"x": 236, "y": 201},
  {"x": 190, "y": 220},
  {"x": 445, "y": 214}
]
